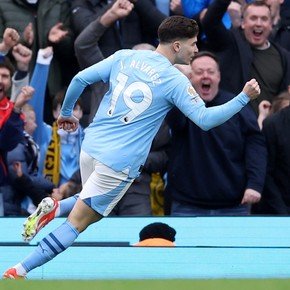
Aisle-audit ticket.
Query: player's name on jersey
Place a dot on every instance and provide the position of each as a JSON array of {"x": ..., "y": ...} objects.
[{"x": 147, "y": 69}]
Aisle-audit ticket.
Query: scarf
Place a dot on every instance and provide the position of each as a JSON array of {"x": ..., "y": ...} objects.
[
  {"x": 33, "y": 150},
  {"x": 6, "y": 107},
  {"x": 52, "y": 159}
]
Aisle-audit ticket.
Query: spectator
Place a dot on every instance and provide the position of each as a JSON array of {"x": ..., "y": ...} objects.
[
  {"x": 249, "y": 49},
  {"x": 56, "y": 146},
  {"x": 220, "y": 171},
  {"x": 276, "y": 195},
  {"x": 11, "y": 123},
  {"x": 163, "y": 6},
  {"x": 64, "y": 147},
  {"x": 22, "y": 57},
  {"x": 197, "y": 9},
  {"x": 157, "y": 235},
  {"x": 11, "y": 132},
  {"x": 23, "y": 171},
  {"x": 281, "y": 23},
  {"x": 140, "y": 26},
  {"x": 280, "y": 102},
  {"x": 266, "y": 108},
  {"x": 176, "y": 7},
  {"x": 42, "y": 23}
]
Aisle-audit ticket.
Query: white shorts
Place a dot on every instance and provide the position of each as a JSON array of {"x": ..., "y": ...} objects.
[{"x": 102, "y": 186}]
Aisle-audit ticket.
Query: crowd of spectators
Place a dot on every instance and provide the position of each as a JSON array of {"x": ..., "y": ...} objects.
[{"x": 242, "y": 167}]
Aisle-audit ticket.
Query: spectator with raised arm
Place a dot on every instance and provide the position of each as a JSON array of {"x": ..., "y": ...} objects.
[
  {"x": 11, "y": 133},
  {"x": 248, "y": 52},
  {"x": 11, "y": 123},
  {"x": 137, "y": 27},
  {"x": 42, "y": 23},
  {"x": 55, "y": 145}
]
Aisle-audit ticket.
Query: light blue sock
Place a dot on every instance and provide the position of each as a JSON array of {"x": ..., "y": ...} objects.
[
  {"x": 52, "y": 245},
  {"x": 67, "y": 204}
]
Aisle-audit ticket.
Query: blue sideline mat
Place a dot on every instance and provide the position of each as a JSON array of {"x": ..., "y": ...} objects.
[{"x": 207, "y": 248}]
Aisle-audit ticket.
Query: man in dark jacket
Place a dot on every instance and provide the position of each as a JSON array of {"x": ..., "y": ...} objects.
[
  {"x": 220, "y": 171},
  {"x": 247, "y": 52},
  {"x": 276, "y": 194}
]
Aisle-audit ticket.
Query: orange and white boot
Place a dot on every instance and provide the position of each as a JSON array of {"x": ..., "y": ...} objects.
[
  {"x": 12, "y": 274},
  {"x": 45, "y": 212}
]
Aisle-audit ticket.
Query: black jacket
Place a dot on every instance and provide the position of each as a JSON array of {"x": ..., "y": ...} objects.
[
  {"x": 212, "y": 169},
  {"x": 276, "y": 195},
  {"x": 281, "y": 32},
  {"x": 234, "y": 50}
]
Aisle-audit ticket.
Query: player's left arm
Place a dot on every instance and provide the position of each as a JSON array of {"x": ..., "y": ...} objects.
[{"x": 189, "y": 102}]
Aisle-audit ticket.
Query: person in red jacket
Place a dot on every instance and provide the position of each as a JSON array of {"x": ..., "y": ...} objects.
[{"x": 11, "y": 122}]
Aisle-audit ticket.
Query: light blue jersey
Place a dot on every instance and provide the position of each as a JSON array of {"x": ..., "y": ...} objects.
[{"x": 144, "y": 86}]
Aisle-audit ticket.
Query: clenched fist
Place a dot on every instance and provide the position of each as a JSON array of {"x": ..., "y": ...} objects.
[
  {"x": 252, "y": 89},
  {"x": 24, "y": 96},
  {"x": 10, "y": 38}
]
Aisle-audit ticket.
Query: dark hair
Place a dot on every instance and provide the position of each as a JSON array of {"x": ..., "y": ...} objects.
[
  {"x": 177, "y": 27},
  {"x": 278, "y": 100},
  {"x": 6, "y": 63},
  {"x": 157, "y": 230},
  {"x": 256, "y": 3},
  {"x": 205, "y": 53}
]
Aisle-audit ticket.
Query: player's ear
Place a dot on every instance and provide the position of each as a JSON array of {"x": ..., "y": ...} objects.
[{"x": 176, "y": 46}]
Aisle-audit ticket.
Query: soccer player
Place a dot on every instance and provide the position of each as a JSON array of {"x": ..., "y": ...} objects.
[{"x": 144, "y": 86}]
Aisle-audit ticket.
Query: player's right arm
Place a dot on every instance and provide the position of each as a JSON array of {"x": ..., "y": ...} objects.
[{"x": 95, "y": 73}]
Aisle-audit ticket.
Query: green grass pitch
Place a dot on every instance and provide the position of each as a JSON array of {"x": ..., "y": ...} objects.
[{"x": 229, "y": 284}]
